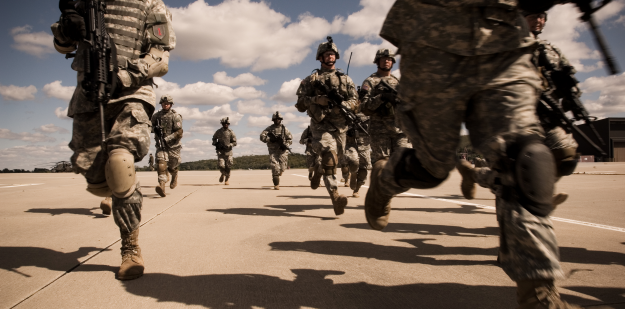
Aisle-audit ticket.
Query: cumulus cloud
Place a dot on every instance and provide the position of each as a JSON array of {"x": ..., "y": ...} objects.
[
  {"x": 611, "y": 95},
  {"x": 25, "y": 136},
  {"x": 367, "y": 22},
  {"x": 31, "y": 156},
  {"x": 288, "y": 91},
  {"x": 56, "y": 90},
  {"x": 208, "y": 121},
  {"x": 245, "y": 79},
  {"x": 37, "y": 44},
  {"x": 254, "y": 107},
  {"x": 61, "y": 113},
  {"x": 16, "y": 93},
  {"x": 364, "y": 53},
  {"x": 248, "y": 93},
  {"x": 397, "y": 73},
  {"x": 251, "y": 34},
  {"x": 51, "y": 128},
  {"x": 290, "y": 118},
  {"x": 259, "y": 121},
  {"x": 202, "y": 93}
]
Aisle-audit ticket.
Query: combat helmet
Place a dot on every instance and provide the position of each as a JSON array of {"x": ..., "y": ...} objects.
[
  {"x": 275, "y": 116},
  {"x": 225, "y": 120},
  {"x": 383, "y": 52},
  {"x": 167, "y": 98},
  {"x": 326, "y": 46}
]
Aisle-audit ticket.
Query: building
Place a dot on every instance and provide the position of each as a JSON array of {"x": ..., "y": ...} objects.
[{"x": 612, "y": 131}]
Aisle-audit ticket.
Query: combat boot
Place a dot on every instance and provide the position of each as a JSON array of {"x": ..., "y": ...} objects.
[
  {"x": 339, "y": 201},
  {"x": 356, "y": 194},
  {"x": 559, "y": 199},
  {"x": 221, "y": 178},
  {"x": 353, "y": 181},
  {"x": 276, "y": 182},
  {"x": 468, "y": 182},
  {"x": 161, "y": 188},
  {"x": 106, "y": 205},
  {"x": 174, "y": 180},
  {"x": 316, "y": 179},
  {"x": 132, "y": 261},
  {"x": 226, "y": 180},
  {"x": 377, "y": 204},
  {"x": 540, "y": 294}
]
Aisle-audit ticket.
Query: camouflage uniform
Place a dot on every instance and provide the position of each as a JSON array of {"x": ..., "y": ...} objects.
[
  {"x": 134, "y": 26},
  {"x": 386, "y": 137},
  {"x": 279, "y": 158},
  {"x": 358, "y": 154},
  {"x": 481, "y": 75},
  {"x": 171, "y": 122},
  {"x": 306, "y": 139},
  {"x": 151, "y": 162},
  {"x": 225, "y": 155}
]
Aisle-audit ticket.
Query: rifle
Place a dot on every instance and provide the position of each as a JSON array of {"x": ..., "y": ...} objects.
[
  {"x": 585, "y": 7},
  {"x": 219, "y": 144},
  {"x": 275, "y": 139},
  {"x": 160, "y": 139},
  {"x": 335, "y": 99},
  {"x": 384, "y": 87},
  {"x": 100, "y": 59}
]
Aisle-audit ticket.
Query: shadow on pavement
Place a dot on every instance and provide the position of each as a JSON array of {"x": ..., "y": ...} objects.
[
  {"x": 68, "y": 211},
  {"x": 248, "y": 188},
  {"x": 585, "y": 256},
  {"x": 421, "y": 254},
  {"x": 312, "y": 289},
  {"x": 299, "y": 197},
  {"x": 12, "y": 258},
  {"x": 463, "y": 209},
  {"x": 445, "y": 197},
  {"x": 287, "y": 211},
  {"x": 431, "y": 229}
]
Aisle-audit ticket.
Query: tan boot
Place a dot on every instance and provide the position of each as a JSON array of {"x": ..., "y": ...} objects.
[
  {"x": 106, "y": 205},
  {"x": 377, "y": 205},
  {"x": 356, "y": 194},
  {"x": 339, "y": 201},
  {"x": 226, "y": 182},
  {"x": 468, "y": 182},
  {"x": 540, "y": 294},
  {"x": 132, "y": 262},
  {"x": 161, "y": 188},
  {"x": 276, "y": 182},
  {"x": 221, "y": 178},
  {"x": 559, "y": 199},
  {"x": 174, "y": 180}
]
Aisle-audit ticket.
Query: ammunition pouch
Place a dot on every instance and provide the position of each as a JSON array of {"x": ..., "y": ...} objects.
[{"x": 120, "y": 172}]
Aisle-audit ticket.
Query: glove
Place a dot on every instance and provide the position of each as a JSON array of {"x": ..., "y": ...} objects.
[
  {"x": 388, "y": 97},
  {"x": 335, "y": 96},
  {"x": 73, "y": 25},
  {"x": 273, "y": 138}
]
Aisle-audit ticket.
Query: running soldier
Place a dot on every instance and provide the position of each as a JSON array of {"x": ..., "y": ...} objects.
[
  {"x": 224, "y": 140},
  {"x": 358, "y": 155},
  {"x": 151, "y": 162},
  {"x": 306, "y": 139},
  {"x": 142, "y": 35},
  {"x": 379, "y": 101},
  {"x": 167, "y": 126},
  {"x": 278, "y": 139},
  {"x": 319, "y": 96},
  {"x": 495, "y": 94}
]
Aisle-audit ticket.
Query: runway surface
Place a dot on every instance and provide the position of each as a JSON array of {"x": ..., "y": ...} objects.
[{"x": 246, "y": 245}]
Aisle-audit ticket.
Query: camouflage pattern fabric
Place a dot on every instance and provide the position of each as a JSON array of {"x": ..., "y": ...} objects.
[
  {"x": 172, "y": 157},
  {"x": 278, "y": 158},
  {"x": 495, "y": 94},
  {"x": 224, "y": 156},
  {"x": 306, "y": 139},
  {"x": 328, "y": 126},
  {"x": 358, "y": 155},
  {"x": 171, "y": 122}
]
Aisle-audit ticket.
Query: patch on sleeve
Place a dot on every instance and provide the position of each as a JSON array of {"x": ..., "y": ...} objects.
[
  {"x": 179, "y": 124},
  {"x": 159, "y": 31},
  {"x": 366, "y": 87}
]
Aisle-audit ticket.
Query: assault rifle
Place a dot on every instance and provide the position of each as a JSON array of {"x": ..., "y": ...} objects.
[
  {"x": 385, "y": 88},
  {"x": 335, "y": 99},
  {"x": 219, "y": 144},
  {"x": 278, "y": 139},
  {"x": 160, "y": 138}
]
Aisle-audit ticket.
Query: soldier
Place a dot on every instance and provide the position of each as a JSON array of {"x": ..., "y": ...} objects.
[
  {"x": 379, "y": 100},
  {"x": 562, "y": 144},
  {"x": 358, "y": 155},
  {"x": 278, "y": 139},
  {"x": 151, "y": 162},
  {"x": 142, "y": 34},
  {"x": 168, "y": 123},
  {"x": 306, "y": 139},
  {"x": 328, "y": 125},
  {"x": 482, "y": 76},
  {"x": 223, "y": 140}
]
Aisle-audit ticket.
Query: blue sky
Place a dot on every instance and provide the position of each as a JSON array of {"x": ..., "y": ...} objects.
[{"x": 242, "y": 59}]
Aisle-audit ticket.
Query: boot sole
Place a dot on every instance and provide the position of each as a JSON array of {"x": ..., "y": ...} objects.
[
  {"x": 339, "y": 205},
  {"x": 105, "y": 210},
  {"x": 160, "y": 192},
  {"x": 371, "y": 220}
]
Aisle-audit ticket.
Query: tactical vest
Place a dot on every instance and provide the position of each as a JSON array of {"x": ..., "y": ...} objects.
[
  {"x": 129, "y": 14},
  {"x": 167, "y": 121}
]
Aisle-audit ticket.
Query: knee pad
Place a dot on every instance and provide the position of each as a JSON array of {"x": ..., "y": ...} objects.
[
  {"x": 120, "y": 173},
  {"x": 566, "y": 160},
  {"x": 162, "y": 167},
  {"x": 535, "y": 173},
  {"x": 329, "y": 161},
  {"x": 410, "y": 173}
]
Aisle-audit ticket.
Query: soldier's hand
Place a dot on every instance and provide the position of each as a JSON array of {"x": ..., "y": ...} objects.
[
  {"x": 335, "y": 96},
  {"x": 179, "y": 133},
  {"x": 388, "y": 97},
  {"x": 73, "y": 25},
  {"x": 322, "y": 100}
]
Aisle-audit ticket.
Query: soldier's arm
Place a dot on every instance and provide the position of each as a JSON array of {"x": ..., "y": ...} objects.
[
  {"x": 161, "y": 39},
  {"x": 215, "y": 136},
  {"x": 176, "y": 135},
  {"x": 288, "y": 137},
  {"x": 233, "y": 139},
  {"x": 371, "y": 100},
  {"x": 62, "y": 44},
  {"x": 352, "y": 95},
  {"x": 304, "y": 138},
  {"x": 263, "y": 136}
]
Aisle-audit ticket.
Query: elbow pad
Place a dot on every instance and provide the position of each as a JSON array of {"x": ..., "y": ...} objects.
[{"x": 157, "y": 61}]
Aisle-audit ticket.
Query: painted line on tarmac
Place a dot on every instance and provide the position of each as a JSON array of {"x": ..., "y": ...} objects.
[
  {"x": 21, "y": 185},
  {"x": 590, "y": 224}
]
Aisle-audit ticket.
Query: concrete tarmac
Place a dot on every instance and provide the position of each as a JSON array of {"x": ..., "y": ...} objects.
[{"x": 245, "y": 245}]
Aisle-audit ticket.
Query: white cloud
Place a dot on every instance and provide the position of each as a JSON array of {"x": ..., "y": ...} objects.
[
  {"x": 367, "y": 22},
  {"x": 255, "y": 107},
  {"x": 208, "y": 120},
  {"x": 248, "y": 93},
  {"x": 61, "y": 113},
  {"x": 37, "y": 44},
  {"x": 31, "y": 156},
  {"x": 202, "y": 93},
  {"x": 245, "y": 79},
  {"x": 261, "y": 121},
  {"x": 51, "y": 128},
  {"x": 397, "y": 73},
  {"x": 611, "y": 94},
  {"x": 56, "y": 90},
  {"x": 16, "y": 93},
  {"x": 245, "y": 34},
  {"x": 290, "y": 118},
  {"x": 25, "y": 136},
  {"x": 364, "y": 53},
  {"x": 288, "y": 91}
]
